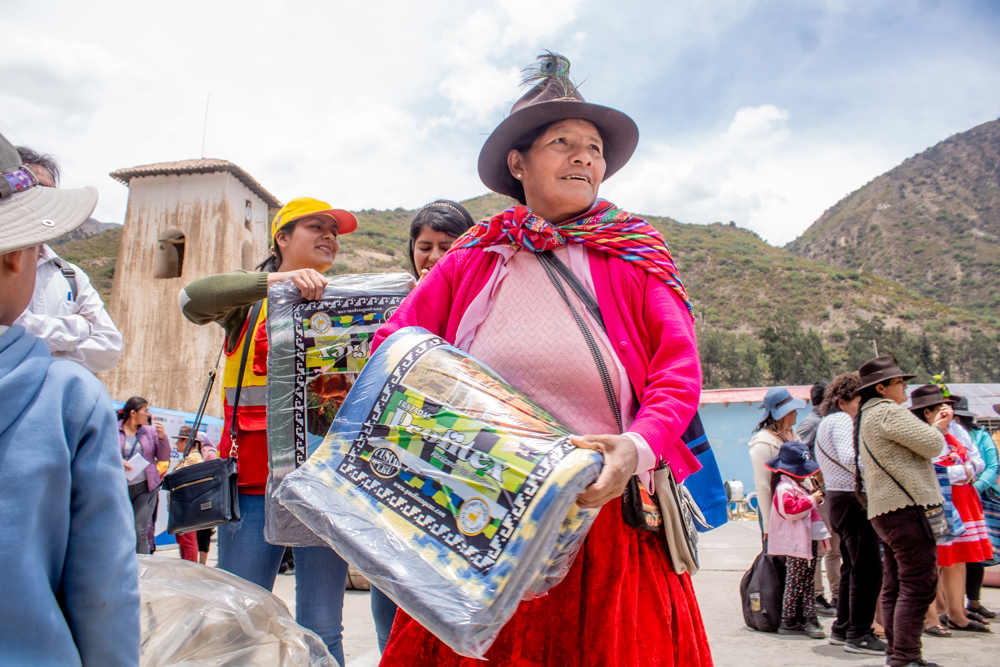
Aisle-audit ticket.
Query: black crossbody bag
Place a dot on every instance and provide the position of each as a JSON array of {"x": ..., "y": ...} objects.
[
  {"x": 678, "y": 511},
  {"x": 204, "y": 495}
]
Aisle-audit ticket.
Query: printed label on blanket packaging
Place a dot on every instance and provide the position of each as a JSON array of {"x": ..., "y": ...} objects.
[
  {"x": 332, "y": 345},
  {"x": 460, "y": 482}
]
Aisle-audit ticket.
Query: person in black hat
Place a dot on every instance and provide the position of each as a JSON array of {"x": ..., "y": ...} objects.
[
  {"x": 956, "y": 473},
  {"x": 524, "y": 292},
  {"x": 898, "y": 477},
  {"x": 796, "y": 527}
]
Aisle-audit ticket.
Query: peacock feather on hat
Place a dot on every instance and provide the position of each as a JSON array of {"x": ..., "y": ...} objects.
[{"x": 549, "y": 67}]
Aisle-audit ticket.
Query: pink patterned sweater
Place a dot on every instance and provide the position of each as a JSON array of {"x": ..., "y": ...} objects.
[{"x": 647, "y": 324}]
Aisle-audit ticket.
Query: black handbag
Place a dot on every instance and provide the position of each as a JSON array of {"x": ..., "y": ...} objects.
[{"x": 204, "y": 495}]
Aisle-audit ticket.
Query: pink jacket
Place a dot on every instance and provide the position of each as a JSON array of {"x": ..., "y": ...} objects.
[
  {"x": 646, "y": 319},
  {"x": 791, "y": 529}
]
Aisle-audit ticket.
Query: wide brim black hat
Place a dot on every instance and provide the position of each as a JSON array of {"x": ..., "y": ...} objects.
[
  {"x": 927, "y": 396},
  {"x": 794, "y": 460},
  {"x": 961, "y": 408},
  {"x": 879, "y": 371},
  {"x": 552, "y": 99}
]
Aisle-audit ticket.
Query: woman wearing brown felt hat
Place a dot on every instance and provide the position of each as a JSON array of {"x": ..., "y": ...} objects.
[
  {"x": 956, "y": 473},
  {"x": 896, "y": 452},
  {"x": 549, "y": 293}
]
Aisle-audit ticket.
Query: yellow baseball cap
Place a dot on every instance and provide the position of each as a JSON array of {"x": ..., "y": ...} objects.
[{"x": 306, "y": 207}]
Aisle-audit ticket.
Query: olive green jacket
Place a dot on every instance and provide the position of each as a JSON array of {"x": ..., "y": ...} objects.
[{"x": 225, "y": 299}]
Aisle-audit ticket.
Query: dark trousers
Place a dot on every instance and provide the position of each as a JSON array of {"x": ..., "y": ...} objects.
[
  {"x": 860, "y": 566},
  {"x": 909, "y": 582}
]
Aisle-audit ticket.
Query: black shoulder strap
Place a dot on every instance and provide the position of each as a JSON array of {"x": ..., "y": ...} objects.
[
  {"x": 901, "y": 487},
  {"x": 247, "y": 335},
  {"x": 204, "y": 402},
  {"x": 70, "y": 275},
  {"x": 589, "y": 301}
]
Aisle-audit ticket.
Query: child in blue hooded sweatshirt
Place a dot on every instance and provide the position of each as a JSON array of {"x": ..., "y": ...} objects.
[{"x": 70, "y": 593}]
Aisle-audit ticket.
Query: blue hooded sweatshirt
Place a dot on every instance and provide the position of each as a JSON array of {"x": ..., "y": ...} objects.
[{"x": 70, "y": 591}]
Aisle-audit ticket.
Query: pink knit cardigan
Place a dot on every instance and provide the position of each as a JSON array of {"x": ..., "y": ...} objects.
[{"x": 645, "y": 319}]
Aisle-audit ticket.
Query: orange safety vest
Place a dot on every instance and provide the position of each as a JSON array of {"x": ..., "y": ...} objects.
[{"x": 251, "y": 415}]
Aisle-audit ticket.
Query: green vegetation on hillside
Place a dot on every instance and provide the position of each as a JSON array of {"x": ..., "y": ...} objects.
[
  {"x": 96, "y": 255},
  {"x": 932, "y": 223},
  {"x": 764, "y": 315}
]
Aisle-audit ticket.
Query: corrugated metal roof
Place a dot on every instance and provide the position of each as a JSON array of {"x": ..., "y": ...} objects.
[
  {"x": 748, "y": 394},
  {"x": 982, "y": 397},
  {"x": 202, "y": 166}
]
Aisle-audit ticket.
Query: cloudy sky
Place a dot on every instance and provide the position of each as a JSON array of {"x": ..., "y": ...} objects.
[{"x": 761, "y": 112}]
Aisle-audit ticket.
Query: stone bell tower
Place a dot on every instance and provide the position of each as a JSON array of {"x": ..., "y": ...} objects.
[{"x": 185, "y": 220}]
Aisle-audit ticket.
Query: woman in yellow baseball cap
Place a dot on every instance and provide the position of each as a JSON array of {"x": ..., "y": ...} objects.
[{"x": 304, "y": 243}]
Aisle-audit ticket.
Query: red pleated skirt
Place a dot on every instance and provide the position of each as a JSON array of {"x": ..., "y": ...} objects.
[
  {"x": 974, "y": 545},
  {"x": 620, "y": 604}
]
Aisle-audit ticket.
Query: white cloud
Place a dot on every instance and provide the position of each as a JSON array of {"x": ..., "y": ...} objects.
[{"x": 756, "y": 173}]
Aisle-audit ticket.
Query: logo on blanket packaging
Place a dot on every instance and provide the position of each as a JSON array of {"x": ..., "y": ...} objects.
[
  {"x": 473, "y": 516},
  {"x": 385, "y": 463},
  {"x": 320, "y": 323}
]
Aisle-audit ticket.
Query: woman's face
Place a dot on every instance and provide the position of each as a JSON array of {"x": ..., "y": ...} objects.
[
  {"x": 429, "y": 247},
  {"x": 140, "y": 416},
  {"x": 787, "y": 422},
  {"x": 562, "y": 170},
  {"x": 895, "y": 390},
  {"x": 312, "y": 244},
  {"x": 933, "y": 413},
  {"x": 850, "y": 406}
]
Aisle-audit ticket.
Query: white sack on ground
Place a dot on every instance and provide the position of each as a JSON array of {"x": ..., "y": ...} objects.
[{"x": 198, "y": 616}]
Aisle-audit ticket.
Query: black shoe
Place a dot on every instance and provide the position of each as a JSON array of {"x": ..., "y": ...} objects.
[
  {"x": 791, "y": 628},
  {"x": 982, "y": 611},
  {"x": 824, "y": 608},
  {"x": 870, "y": 645},
  {"x": 837, "y": 640},
  {"x": 920, "y": 662},
  {"x": 814, "y": 630}
]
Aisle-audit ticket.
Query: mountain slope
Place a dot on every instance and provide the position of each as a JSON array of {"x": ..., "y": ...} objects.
[
  {"x": 932, "y": 224},
  {"x": 764, "y": 315}
]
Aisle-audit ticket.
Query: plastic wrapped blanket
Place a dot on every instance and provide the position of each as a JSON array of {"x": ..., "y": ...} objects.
[
  {"x": 315, "y": 351},
  {"x": 200, "y": 616},
  {"x": 453, "y": 493}
]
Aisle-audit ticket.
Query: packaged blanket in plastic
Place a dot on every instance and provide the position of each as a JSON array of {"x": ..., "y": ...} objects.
[
  {"x": 449, "y": 490},
  {"x": 315, "y": 351},
  {"x": 200, "y": 616}
]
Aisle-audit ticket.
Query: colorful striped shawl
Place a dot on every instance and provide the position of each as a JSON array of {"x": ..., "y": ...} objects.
[{"x": 609, "y": 230}]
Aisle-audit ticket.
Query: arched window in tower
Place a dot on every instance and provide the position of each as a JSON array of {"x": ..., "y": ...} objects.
[
  {"x": 248, "y": 215},
  {"x": 248, "y": 263},
  {"x": 169, "y": 261}
]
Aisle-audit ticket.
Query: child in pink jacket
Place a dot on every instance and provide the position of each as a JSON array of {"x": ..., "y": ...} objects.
[{"x": 796, "y": 527}]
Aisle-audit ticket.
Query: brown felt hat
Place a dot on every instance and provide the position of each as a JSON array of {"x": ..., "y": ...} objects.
[
  {"x": 879, "y": 371},
  {"x": 554, "y": 97},
  {"x": 927, "y": 396}
]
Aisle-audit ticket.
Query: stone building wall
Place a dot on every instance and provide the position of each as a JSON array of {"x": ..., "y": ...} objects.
[{"x": 167, "y": 358}]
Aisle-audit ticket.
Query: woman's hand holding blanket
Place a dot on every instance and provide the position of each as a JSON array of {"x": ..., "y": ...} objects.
[{"x": 620, "y": 459}]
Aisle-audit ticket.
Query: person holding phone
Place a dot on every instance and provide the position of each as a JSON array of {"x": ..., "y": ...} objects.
[{"x": 142, "y": 446}]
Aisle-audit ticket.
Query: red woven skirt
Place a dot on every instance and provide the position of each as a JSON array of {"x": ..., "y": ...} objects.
[
  {"x": 620, "y": 604},
  {"x": 974, "y": 545}
]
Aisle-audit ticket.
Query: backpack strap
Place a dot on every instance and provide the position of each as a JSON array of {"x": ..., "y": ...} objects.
[{"x": 69, "y": 273}]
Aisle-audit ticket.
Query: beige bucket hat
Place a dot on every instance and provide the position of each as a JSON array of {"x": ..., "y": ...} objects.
[{"x": 31, "y": 214}]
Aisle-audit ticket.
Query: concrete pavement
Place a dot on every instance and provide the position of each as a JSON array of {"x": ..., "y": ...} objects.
[{"x": 725, "y": 555}]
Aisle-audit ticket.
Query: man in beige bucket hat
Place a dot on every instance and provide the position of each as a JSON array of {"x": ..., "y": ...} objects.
[{"x": 69, "y": 538}]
